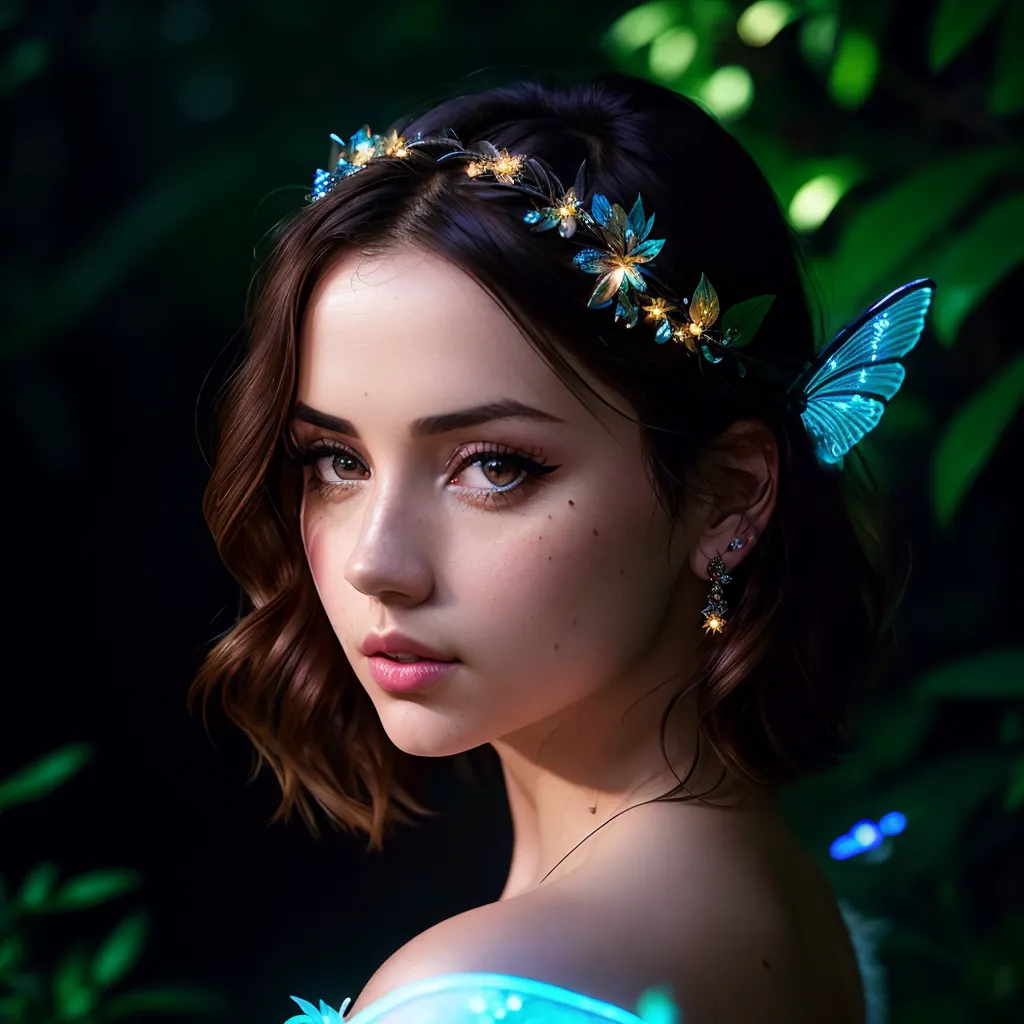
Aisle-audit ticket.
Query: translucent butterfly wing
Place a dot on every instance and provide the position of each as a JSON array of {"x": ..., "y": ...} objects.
[{"x": 858, "y": 374}]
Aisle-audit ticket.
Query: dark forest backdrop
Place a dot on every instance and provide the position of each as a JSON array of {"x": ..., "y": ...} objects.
[{"x": 145, "y": 149}]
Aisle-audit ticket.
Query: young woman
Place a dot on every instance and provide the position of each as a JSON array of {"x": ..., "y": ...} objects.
[{"x": 616, "y": 540}]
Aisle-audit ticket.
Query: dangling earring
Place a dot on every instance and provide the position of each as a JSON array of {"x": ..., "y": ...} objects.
[{"x": 716, "y": 610}]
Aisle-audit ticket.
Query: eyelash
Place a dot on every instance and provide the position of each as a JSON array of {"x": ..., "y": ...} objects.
[{"x": 483, "y": 453}]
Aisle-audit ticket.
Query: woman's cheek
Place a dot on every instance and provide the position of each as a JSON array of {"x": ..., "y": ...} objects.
[{"x": 316, "y": 541}]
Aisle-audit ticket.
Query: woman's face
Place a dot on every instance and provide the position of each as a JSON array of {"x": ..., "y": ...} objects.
[{"x": 549, "y": 589}]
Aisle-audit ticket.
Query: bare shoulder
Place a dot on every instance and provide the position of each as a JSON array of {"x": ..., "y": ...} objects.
[{"x": 720, "y": 968}]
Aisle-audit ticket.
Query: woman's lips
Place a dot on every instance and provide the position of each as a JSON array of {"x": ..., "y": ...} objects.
[{"x": 404, "y": 677}]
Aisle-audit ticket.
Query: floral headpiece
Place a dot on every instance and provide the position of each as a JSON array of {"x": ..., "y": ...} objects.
[{"x": 840, "y": 395}]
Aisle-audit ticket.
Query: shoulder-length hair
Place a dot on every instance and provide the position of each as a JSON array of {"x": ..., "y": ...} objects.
[{"x": 812, "y": 602}]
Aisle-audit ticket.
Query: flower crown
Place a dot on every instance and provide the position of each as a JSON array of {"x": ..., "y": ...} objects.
[
  {"x": 840, "y": 395},
  {"x": 622, "y": 262}
]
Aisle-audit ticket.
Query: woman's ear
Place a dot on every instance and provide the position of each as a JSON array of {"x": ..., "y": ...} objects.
[{"x": 736, "y": 479}]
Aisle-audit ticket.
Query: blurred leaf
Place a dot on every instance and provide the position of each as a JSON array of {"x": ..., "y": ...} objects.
[
  {"x": 26, "y": 61},
  {"x": 994, "y": 675},
  {"x": 126, "y": 240},
  {"x": 14, "y": 1008},
  {"x": 127, "y": 1004},
  {"x": 728, "y": 91},
  {"x": 815, "y": 200},
  {"x": 121, "y": 950},
  {"x": 672, "y": 53},
  {"x": 937, "y": 798},
  {"x": 956, "y": 23},
  {"x": 94, "y": 887},
  {"x": 945, "y": 1008},
  {"x": 971, "y": 436},
  {"x": 71, "y": 991},
  {"x": 982, "y": 256},
  {"x": 855, "y": 69},
  {"x": 1015, "y": 794},
  {"x": 1007, "y": 95},
  {"x": 1011, "y": 727},
  {"x": 44, "y": 776},
  {"x": 907, "y": 415},
  {"x": 37, "y": 885},
  {"x": 640, "y": 26},
  {"x": 12, "y": 950},
  {"x": 889, "y": 733},
  {"x": 881, "y": 236},
  {"x": 763, "y": 20},
  {"x": 789, "y": 173},
  {"x": 10, "y": 11},
  {"x": 993, "y": 970},
  {"x": 818, "y": 39}
]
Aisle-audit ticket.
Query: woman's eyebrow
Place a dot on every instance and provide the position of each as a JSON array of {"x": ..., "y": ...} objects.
[{"x": 427, "y": 426}]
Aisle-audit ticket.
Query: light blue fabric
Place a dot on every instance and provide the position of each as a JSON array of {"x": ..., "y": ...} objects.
[
  {"x": 865, "y": 934},
  {"x": 485, "y": 998},
  {"x": 481, "y": 998}
]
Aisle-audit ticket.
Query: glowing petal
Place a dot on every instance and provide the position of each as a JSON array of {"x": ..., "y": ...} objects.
[{"x": 704, "y": 308}]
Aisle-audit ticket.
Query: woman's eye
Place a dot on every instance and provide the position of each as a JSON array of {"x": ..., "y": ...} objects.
[{"x": 505, "y": 475}]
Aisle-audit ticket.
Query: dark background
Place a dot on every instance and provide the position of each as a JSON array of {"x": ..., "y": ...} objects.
[{"x": 148, "y": 146}]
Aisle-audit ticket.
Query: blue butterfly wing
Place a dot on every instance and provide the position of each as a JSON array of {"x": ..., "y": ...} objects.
[{"x": 857, "y": 375}]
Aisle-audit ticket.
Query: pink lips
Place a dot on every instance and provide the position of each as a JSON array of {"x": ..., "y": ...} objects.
[{"x": 403, "y": 678}]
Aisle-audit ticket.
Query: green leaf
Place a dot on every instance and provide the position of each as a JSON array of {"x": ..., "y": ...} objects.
[
  {"x": 28, "y": 59},
  {"x": 956, "y": 23},
  {"x": 1011, "y": 727},
  {"x": 37, "y": 886},
  {"x": 127, "y": 238},
  {"x": 888, "y": 734},
  {"x": 42, "y": 777},
  {"x": 1007, "y": 95},
  {"x": 882, "y": 234},
  {"x": 12, "y": 951},
  {"x": 855, "y": 69},
  {"x": 993, "y": 675},
  {"x": 95, "y": 887},
  {"x": 907, "y": 415},
  {"x": 981, "y": 257},
  {"x": 72, "y": 993},
  {"x": 1015, "y": 794},
  {"x": 971, "y": 436},
  {"x": 184, "y": 1000},
  {"x": 640, "y": 26},
  {"x": 938, "y": 799},
  {"x": 745, "y": 318},
  {"x": 121, "y": 950},
  {"x": 15, "y": 1008}
]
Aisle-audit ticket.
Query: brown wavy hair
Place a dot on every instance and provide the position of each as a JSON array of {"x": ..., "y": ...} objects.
[{"x": 811, "y": 604}]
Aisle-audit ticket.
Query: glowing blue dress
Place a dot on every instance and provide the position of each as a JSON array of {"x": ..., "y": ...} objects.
[{"x": 479, "y": 998}]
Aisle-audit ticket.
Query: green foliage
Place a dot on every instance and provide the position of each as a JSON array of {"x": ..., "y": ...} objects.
[
  {"x": 75, "y": 987},
  {"x": 992, "y": 675},
  {"x": 897, "y": 174},
  {"x": 971, "y": 436},
  {"x": 955, "y": 25}
]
